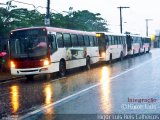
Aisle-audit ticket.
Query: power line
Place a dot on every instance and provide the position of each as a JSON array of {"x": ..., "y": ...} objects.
[
  {"x": 23, "y": 3},
  {"x": 35, "y": 7}
]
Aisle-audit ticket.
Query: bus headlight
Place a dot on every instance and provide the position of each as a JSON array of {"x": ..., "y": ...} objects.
[
  {"x": 12, "y": 64},
  {"x": 46, "y": 62}
]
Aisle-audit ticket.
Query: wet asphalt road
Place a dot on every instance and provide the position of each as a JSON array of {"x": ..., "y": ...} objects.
[{"x": 105, "y": 89}]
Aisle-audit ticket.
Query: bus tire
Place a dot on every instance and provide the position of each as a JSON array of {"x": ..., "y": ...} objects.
[
  {"x": 88, "y": 63},
  {"x": 48, "y": 76},
  {"x": 121, "y": 56},
  {"x": 110, "y": 59},
  {"x": 148, "y": 50},
  {"x": 62, "y": 68},
  {"x": 29, "y": 77},
  {"x": 133, "y": 53},
  {"x": 139, "y": 52},
  {"x": 144, "y": 51}
]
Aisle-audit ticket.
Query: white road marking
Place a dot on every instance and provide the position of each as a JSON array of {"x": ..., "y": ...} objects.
[{"x": 82, "y": 91}]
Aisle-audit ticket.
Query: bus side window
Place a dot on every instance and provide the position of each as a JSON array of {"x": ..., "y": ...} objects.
[
  {"x": 91, "y": 41},
  {"x": 134, "y": 40},
  {"x": 67, "y": 40},
  {"x": 120, "y": 40},
  {"x": 80, "y": 40},
  {"x": 123, "y": 40},
  {"x": 86, "y": 40},
  {"x": 110, "y": 40},
  {"x": 74, "y": 40},
  {"x": 113, "y": 40},
  {"x": 60, "y": 40},
  {"x": 96, "y": 40},
  {"x": 52, "y": 40},
  {"x": 116, "y": 40},
  {"x": 106, "y": 40},
  {"x": 143, "y": 41}
]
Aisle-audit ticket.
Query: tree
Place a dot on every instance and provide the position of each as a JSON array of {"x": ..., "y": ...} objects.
[
  {"x": 12, "y": 17},
  {"x": 6, "y": 19},
  {"x": 85, "y": 20}
]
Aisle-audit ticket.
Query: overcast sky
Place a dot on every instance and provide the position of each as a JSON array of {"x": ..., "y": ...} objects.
[{"x": 133, "y": 17}]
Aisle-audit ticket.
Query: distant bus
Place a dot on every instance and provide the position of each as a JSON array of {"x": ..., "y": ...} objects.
[
  {"x": 146, "y": 44},
  {"x": 134, "y": 44},
  {"x": 111, "y": 46},
  {"x": 39, "y": 50}
]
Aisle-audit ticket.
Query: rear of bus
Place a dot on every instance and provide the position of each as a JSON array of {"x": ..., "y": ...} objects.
[
  {"x": 146, "y": 41},
  {"x": 101, "y": 46},
  {"x": 134, "y": 44},
  {"x": 111, "y": 46},
  {"x": 29, "y": 51}
]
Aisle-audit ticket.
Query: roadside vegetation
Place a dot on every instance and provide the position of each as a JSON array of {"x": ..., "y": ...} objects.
[{"x": 12, "y": 17}]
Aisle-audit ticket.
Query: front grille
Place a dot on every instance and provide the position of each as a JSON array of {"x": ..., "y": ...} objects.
[
  {"x": 28, "y": 70},
  {"x": 29, "y": 64}
]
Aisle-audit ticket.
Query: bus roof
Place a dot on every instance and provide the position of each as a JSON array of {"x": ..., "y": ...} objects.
[
  {"x": 55, "y": 29},
  {"x": 110, "y": 33}
]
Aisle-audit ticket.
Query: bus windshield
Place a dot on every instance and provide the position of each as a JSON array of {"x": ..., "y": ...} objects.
[{"x": 31, "y": 46}]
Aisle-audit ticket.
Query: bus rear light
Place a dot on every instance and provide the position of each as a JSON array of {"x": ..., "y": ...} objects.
[
  {"x": 12, "y": 64},
  {"x": 103, "y": 54},
  {"x": 98, "y": 35}
]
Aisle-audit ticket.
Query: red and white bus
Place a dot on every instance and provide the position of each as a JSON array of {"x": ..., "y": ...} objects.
[
  {"x": 111, "y": 46},
  {"x": 39, "y": 50},
  {"x": 146, "y": 44},
  {"x": 134, "y": 44}
]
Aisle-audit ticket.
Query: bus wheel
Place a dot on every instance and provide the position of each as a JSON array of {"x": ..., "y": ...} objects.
[
  {"x": 88, "y": 63},
  {"x": 148, "y": 50},
  {"x": 30, "y": 77},
  {"x": 62, "y": 68},
  {"x": 48, "y": 76},
  {"x": 110, "y": 59},
  {"x": 139, "y": 52},
  {"x": 133, "y": 53},
  {"x": 121, "y": 56}
]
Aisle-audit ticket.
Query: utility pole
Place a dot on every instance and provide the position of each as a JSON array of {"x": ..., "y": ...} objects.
[
  {"x": 120, "y": 8},
  {"x": 147, "y": 26},
  {"x": 47, "y": 18}
]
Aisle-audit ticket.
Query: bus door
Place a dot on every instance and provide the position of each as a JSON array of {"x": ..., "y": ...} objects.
[
  {"x": 129, "y": 42},
  {"x": 52, "y": 44},
  {"x": 101, "y": 44}
]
